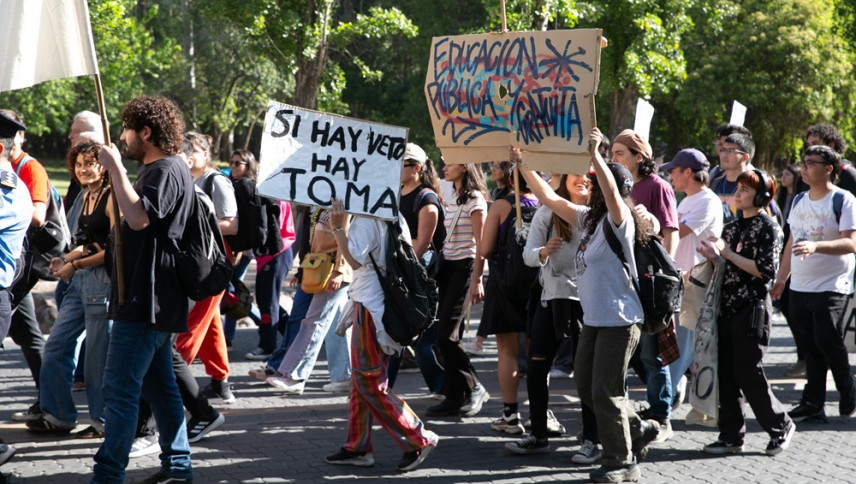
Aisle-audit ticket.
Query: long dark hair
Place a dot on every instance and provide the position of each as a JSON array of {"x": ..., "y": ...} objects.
[
  {"x": 599, "y": 210},
  {"x": 472, "y": 181},
  {"x": 562, "y": 227},
  {"x": 252, "y": 165},
  {"x": 429, "y": 178},
  {"x": 783, "y": 192}
]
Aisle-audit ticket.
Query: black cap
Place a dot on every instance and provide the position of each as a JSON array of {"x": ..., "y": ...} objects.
[
  {"x": 9, "y": 127},
  {"x": 623, "y": 178}
]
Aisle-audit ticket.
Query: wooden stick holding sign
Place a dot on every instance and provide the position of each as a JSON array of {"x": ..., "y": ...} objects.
[
  {"x": 308, "y": 157},
  {"x": 118, "y": 265}
]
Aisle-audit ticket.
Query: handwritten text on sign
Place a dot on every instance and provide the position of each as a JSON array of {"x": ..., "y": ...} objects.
[
  {"x": 532, "y": 90},
  {"x": 309, "y": 157}
]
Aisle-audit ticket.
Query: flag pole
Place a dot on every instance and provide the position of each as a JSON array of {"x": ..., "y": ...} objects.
[{"x": 118, "y": 266}]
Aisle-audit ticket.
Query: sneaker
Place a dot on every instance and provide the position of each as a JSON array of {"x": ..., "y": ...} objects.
[
  {"x": 32, "y": 413},
  {"x": 412, "y": 460},
  {"x": 648, "y": 433},
  {"x": 680, "y": 393},
  {"x": 559, "y": 373},
  {"x": 42, "y": 425},
  {"x": 779, "y": 444},
  {"x": 807, "y": 411},
  {"x": 666, "y": 432},
  {"x": 446, "y": 408},
  {"x": 78, "y": 386},
  {"x": 200, "y": 427},
  {"x": 219, "y": 390},
  {"x": 6, "y": 453},
  {"x": 588, "y": 453},
  {"x": 287, "y": 385},
  {"x": 162, "y": 479},
  {"x": 472, "y": 348},
  {"x": 510, "y": 424},
  {"x": 145, "y": 445},
  {"x": 721, "y": 447},
  {"x": 797, "y": 370},
  {"x": 630, "y": 473},
  {"x": 478, "y": 397},
  {"x": 337, "y": 386},
  {"x": 554, "y": 427},
  {"x": 529, "y": 445},
  {"x": 262, "y": 374},
  {"x": 346, "y": 457},
  {"x": 89, "y": 433},
  {"x": 257, "y": 354}
]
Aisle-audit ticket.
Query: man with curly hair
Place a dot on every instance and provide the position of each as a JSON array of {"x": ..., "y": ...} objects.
[{"x": 139, "y": 361}]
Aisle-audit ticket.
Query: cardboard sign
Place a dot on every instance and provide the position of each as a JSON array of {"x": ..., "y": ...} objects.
[
  {"x": 738, "y": 114},
  {"x": 531, "y": 90},
  {"x": 644, "y": 115},
  {"x": 309, "y": 157}
]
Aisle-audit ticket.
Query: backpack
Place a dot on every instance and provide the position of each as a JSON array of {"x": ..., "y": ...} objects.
[
  {"x": 51, "y": 239},
  {"x": 252, "y": 217},
  {"x": 201, "y": 262},
  {"x": 273, "y": 238},
  {"x": 660, "y": 284},
  {"x": 511, "y": 271},
  {"x": 837, "y": 203},
  {"x": 410, "y": 296}
]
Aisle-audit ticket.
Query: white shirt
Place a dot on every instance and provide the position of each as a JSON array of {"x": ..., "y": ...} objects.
[
  {"x": 702, "y": 213},
  {"x": 814, "y": 220}
]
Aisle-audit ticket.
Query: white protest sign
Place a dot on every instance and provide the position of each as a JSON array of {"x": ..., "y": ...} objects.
[
  {"x": 644, "y": 115},
  {"x": 738, "y": 114},
  {"x": 308, "y": 157}
]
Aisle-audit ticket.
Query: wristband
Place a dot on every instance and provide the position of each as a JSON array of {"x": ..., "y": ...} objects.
[
  {"x": 73, "y": 265},
  {"x": 338, "y": 229}
]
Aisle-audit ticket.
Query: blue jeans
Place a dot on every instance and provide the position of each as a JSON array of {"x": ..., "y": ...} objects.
[
  {"x": 268, "y": 287},
  {"x": 686, "y": 346},
  {"x": 139, "y": 362},
  {"x": 299, "y": 307},
  {"x": 315, "y": 330},
  {"x": 84, "y": 307},
  {"x": 659, "y": 379}
]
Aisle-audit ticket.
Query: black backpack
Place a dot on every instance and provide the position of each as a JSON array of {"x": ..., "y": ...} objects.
[
  {"x": 201, "y": 262},
  {"x": 511, "y": 272},
  {"x": 660, "y": 285},
  {"x": 410, "y": 296},
  {"x": 252, "y": 217}
]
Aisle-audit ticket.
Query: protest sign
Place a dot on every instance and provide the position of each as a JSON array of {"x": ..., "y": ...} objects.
[
  {"x": 644, "y": 115},
  {"x": 308, "y": 157},
  {"x": 531, "y": 90},
  {"x": 738, "y": 114}
]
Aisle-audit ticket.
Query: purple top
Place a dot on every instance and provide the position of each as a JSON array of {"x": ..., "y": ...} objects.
[{"x": 658, "y": 197}]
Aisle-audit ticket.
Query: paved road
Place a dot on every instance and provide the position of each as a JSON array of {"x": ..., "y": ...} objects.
[{"x": 268, "y": 438}]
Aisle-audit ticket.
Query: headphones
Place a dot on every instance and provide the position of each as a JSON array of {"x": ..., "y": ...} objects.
[{"x": 762, "y": 196}]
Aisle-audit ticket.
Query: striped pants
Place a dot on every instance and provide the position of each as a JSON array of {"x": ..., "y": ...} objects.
[{"x": 371, "y": 398}]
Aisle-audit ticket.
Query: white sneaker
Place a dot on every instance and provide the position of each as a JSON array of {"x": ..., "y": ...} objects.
[
  {"x": 559, "y": 373},
  {"x": 680, "y": 393},
  {"x": 588, "y": 453},
  {"x": 145, "y": 445},
  {"x": 509, "y": 424},
  {"x": 262, "y": 374},
  {"x": 257, "y": 354},
  {"x": 337, "y": 386},
  {"x": 286, "y": 384}
]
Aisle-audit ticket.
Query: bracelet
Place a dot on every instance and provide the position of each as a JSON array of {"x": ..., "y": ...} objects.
[
  {"x": 74, "y": 265},
  {"x": 338, "y": 229}
]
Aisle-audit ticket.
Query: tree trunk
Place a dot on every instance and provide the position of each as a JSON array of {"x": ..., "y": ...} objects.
[
  {"x": 622, "y": 109},
  {"x": 311, "y": 68}
]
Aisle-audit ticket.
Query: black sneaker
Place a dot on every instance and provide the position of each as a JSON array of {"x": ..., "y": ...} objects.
[
  {"x": 630, "y": 473},
  {"x": 779, "y": 444},
  {"x": 721, "y": 447},
  {"x": 162, "y": 479},
  {"x": 847, "y": 404},
  {"x": 6, "y": 453},
  {"x": 529, "y": 445},
  {"x": 32, "y": 413},
  {"x": 345, "y": 457},
  {"x": 807, "y": 411},
  {"x": 446, "y": 408},
  {"x": 412, "y": 460},
  {"x": 200, "y": 427},
  {"x": 43, "y": 426},
  {"x": 649, "y": 429},
  {"x": 219, "y": 390}
]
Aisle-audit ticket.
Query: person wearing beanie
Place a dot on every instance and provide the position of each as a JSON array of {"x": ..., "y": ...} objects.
[{"x": 652, "y": 192}]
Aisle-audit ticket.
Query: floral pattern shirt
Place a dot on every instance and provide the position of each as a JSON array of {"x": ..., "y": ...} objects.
[{"x": 758, "y": 238}]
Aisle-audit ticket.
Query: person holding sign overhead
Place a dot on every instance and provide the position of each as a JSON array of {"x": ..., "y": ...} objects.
[{"x": 460, "y": 283}]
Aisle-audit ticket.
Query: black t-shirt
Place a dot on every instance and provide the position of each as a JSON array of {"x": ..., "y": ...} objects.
[
  {"x": 153, "y": 294},
  {"x": 410, "y": 213}
]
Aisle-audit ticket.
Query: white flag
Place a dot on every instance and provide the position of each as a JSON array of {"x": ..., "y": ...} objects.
[{"x": 43, "y": 40}]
